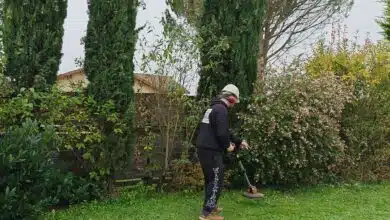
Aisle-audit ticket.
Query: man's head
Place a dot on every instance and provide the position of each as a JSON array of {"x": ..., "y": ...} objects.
[{"x": 231, "y": 95}]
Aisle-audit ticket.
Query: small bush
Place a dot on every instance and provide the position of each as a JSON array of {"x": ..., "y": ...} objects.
[
  {"x": 32, "y": 182},
  {"x": 60, "y": 189},
  {"x": 24, "y": 159},
  {"x": 294, "y": 130},
  {"x": 186, "y": 176}
]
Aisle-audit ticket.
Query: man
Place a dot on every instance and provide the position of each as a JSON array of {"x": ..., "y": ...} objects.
[{"x": 213, "y": 141}]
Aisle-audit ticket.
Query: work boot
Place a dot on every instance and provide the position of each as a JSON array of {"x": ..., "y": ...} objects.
[{"x": 211, "y": 217}]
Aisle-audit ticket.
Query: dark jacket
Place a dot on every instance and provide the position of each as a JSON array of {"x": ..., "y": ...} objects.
[{"x": 213, "y": 132}]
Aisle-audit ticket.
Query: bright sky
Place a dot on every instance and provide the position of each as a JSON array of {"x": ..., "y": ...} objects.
[{"x": 362, "y": 19}]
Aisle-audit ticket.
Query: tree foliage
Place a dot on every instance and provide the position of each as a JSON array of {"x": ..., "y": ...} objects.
[
  {"x": 173, "y": 54},
  {"x": 5, "y": 85},
  {"x": 357, "y": 65},
  {"x": 385, "y": 22},
  {"x": 32, "y": 34},
  {"x": 110, "y": 45},
  {"x": 190, "y": 9},
  {"x": 229, "y": 30}
]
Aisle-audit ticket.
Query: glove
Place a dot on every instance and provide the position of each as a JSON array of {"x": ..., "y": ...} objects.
[
  {"x": 231, "y": 147},
  {"x": 244, "y": 145}
]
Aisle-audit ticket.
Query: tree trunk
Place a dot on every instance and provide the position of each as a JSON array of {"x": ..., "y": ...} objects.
[
  {"x": 261, "y": 66},
  {"x": 165, "y": 168},
  {"x": 263, "y": 51},
  {"x": 166, "y": 161},
  {"x": 261, "y": 62}
]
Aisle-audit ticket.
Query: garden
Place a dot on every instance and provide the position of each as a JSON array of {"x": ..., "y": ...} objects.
[{"x": 318, "y": 125}]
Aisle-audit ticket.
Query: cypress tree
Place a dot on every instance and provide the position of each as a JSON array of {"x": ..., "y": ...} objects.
[
  {"x": 385, "y": 22},
  {"x": 32, "y": 36},
  {"x": 110, "y": 45},
  {"x": 230, "y": 33}
]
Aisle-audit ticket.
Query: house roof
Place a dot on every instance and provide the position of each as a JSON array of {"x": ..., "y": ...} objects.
[
  {"x": 152, "y": 80},
  {"x": 63, "y": 75}
]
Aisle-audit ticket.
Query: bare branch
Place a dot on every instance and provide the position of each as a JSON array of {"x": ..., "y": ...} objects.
[
  {"x": 287, "y": 22},
  {"x": 292, "y": 22}
]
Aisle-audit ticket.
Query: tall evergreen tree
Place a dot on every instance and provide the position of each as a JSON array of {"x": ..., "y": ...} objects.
[
  {"x": 110, "y": 45},
  {"x": 32, "y": 36},
  {"x": 231, "y": 32},
  {"x": 385, "y": 22}
]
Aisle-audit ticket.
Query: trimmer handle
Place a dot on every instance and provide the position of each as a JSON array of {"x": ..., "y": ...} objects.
[{"x": 236, "y": 149}]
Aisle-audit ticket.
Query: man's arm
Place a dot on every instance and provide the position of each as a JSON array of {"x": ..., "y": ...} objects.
[{"x": 236, "y": 140}]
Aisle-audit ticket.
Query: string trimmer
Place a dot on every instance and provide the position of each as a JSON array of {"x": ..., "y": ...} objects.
[{"x": 252, "y": 192}]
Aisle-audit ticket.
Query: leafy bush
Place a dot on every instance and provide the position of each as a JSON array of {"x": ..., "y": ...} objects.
[
  {"x": 367, "y": 134},
  {"x": 294, "y": 130},
  {"x": 186, "y": 176},
  {"x": 365, "y": 124},
  {"x": 33, "y": 182},
  {"x": 61, "y": 189},
  {"x": 25, "y": 157},
  {"x": 77, "y": 119},
  {"x": 79, "y": 164},
  {"x": 357, "y": 65}
]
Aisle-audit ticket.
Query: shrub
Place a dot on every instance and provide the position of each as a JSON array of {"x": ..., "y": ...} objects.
[
  {"x": 61, "y": 189},
  {"x": 365, "y": 123},
  {"x": 186, "y": 176},
  {"x": 166, "y": 130},
  {"x": 33, "y": 181},
  {"x": 25, "y": 157},
  {"x": 76, "y": 118},
  {"x": 294, "y": 130},
  {"x": 79, "y": 164},
  {"x": 357, "y": 65},
  {"x": 367, "y": 134}
]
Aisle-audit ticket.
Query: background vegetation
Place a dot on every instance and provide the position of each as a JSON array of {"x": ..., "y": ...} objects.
[{"x": 323, "y": 119}]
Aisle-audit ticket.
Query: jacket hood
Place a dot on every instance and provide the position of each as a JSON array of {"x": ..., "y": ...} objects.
[{"x": 217, "y": 100}]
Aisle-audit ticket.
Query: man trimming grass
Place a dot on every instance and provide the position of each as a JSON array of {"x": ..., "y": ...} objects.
[{"x": 214, "y": 139}]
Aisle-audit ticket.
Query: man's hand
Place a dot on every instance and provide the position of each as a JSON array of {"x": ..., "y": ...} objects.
[
  {"x": 231, "y": 147},
  {"x": 244, "y": 145}
]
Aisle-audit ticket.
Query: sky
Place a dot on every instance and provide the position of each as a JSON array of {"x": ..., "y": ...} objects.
[{"x": 361, "y": 18}]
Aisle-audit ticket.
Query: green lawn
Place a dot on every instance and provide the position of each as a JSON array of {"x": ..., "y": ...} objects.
[{"x": 348, "y": 202}]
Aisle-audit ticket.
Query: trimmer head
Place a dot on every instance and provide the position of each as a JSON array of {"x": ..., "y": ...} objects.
[
  {"x": 252, "y": 190},
  {"x": 252, "y": 193}
]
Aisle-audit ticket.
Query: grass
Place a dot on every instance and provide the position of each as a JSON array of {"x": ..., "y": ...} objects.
[{"x": 348, "y": 202}]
